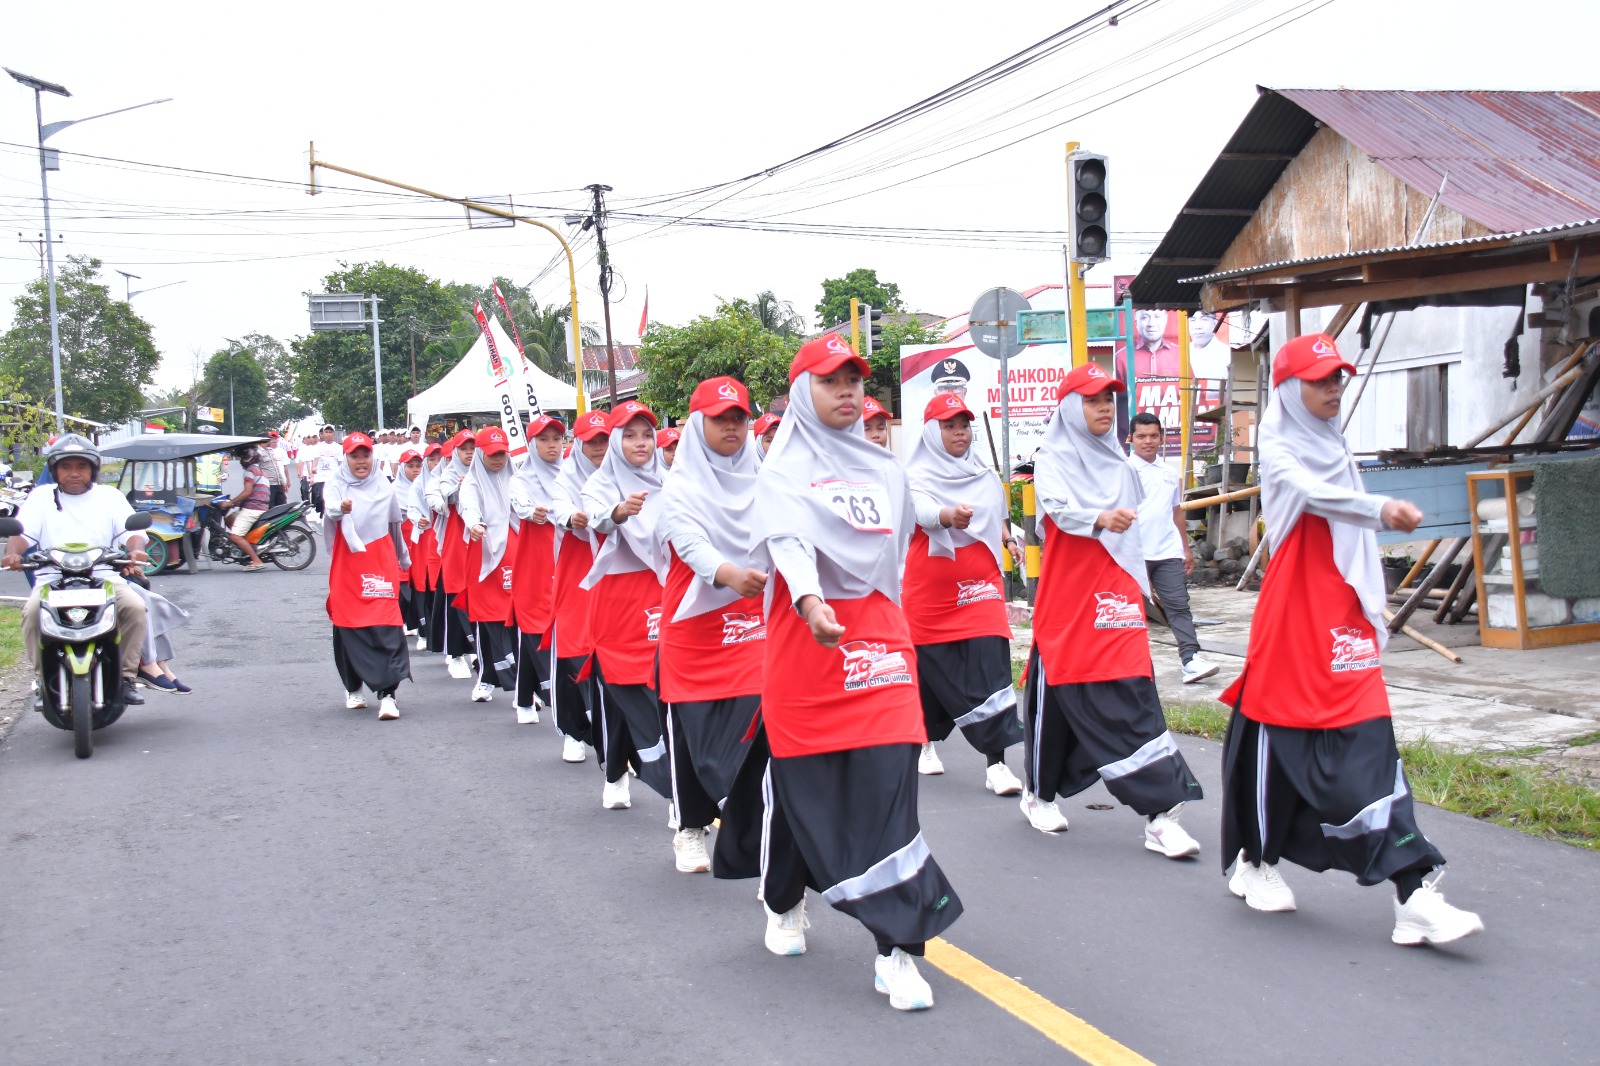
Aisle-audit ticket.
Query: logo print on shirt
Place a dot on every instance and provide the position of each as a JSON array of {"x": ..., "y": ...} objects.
[
  {"x": 868, "y": 665},
  {"x": 1352, "y": 650},
  {"x": 742, "y": 628},
  {"x": 376, "y": 587},
  {"x": 1113, "y": 611},
  {"x": 975, "y": 592},
  {"x": 505, "y": 578},
  {"x": 652, "y": 621}
]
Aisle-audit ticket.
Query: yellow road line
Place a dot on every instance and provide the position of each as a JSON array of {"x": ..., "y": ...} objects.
[{"x": 1016, "y": 998}]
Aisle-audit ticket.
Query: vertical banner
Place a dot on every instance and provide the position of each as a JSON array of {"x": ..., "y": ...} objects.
[
  {"x": 534, "y": 410},
  {"x": 500, "y": 373},
  {"x": 1156, "y": 386}
]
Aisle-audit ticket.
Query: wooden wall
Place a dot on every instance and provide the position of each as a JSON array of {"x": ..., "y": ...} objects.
[{"x": 1332, "y": 199}]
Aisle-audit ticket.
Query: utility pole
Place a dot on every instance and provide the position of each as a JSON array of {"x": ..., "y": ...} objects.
[
  {"x": 37, "y": 244},
  {"x": 599, "y": 219}
]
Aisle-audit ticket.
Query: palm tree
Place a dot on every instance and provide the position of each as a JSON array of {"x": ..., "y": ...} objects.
[{"x": 778, "y": 316}]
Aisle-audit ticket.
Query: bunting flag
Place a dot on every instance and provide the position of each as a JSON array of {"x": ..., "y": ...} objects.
[
  {"x": 500, "y": 374},
  {"x": 644, "y": 319},
  {"x": 534, "y": 410},
  {"x": 516, "y": 334}
]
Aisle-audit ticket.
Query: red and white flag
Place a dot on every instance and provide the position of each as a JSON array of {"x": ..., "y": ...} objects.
[
  {"x": 516, "y": 334},
  {"x": 500, "y": 375},
  {"x": 644, "y": 319}
]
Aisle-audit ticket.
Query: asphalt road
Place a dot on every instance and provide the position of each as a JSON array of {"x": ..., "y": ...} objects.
[{"x": 254, "y": 874}]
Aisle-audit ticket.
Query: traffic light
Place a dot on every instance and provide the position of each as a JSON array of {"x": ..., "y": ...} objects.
[
  {"x": 1090, "y": 223},
  {"x": 872, "y": 329}
]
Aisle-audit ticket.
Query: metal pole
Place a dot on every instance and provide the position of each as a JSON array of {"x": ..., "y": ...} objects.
[
  {"x": 233, "y": 419},
  {"x": 50, "y": 258},
  {"x": 377, "y": 363},
  {"x": 1077, "y": 312},
  {"x": 1005, "y": 411},
  {"x": 605, "y": 286}
]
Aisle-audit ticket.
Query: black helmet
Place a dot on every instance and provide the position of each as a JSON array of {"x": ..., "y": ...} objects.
[{"x": 70, "y": 445}]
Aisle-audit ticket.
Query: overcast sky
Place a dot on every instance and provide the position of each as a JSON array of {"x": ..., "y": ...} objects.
[{"x": 655, "y": 99}]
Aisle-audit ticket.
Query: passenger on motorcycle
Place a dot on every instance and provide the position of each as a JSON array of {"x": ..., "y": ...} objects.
[
  {"x": 253, "y": 501},
  {"x": 76, "y": 510}
]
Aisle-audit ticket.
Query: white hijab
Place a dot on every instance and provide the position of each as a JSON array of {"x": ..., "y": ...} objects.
[
  {"x": 633, "y": 545},
  {"x": 950, "y": 482},
  {"x": 486, "y": 495},
  {"x": 1090, "y": 473},
  {"x": 1299, "y": 453},
  {"x": 446, "y": 483},
  {"x": 805, "y": 457},
  {"x": 714, "y": 496},
  {"x": 576, "y": 470},
  {"x": 416, "y": 502},
  {"x": 374, "y": 507}
]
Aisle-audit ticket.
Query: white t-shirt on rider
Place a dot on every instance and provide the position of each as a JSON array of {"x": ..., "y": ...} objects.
[{"x": 95, "y": 518}]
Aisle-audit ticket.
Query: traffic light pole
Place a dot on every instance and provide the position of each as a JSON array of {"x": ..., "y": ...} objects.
[
  {"x": 1077, "y": 310},
  {"x": 855, "y": 325}
]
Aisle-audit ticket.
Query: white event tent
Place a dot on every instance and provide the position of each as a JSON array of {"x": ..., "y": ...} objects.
[{"x": 469, "y": 389}]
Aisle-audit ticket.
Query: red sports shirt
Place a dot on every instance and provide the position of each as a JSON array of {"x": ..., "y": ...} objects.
[
  {"x": 712, "y": 656},
  {"x": 953, "y": 599},
  {"x": 1088, "y": 613}
]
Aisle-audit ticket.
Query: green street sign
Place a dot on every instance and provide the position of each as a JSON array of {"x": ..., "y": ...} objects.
[
  {"x": 1103, "y": 325},
  {"x": 1042, "y": 327}
]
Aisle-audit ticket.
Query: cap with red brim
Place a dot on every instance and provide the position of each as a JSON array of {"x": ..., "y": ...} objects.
[
  {"x": 626, "y": 412},
  {"x": 544, "y": 422},
  {"x": 760, "y": 426},
  {"x": 715, "y": 395},
  {"x": 946, "y": 406},
  {"x": 666, "y": 438},
  {"x": 824, "y": 355},
  {"x": 491, "y": 440},
  {"x": 590, "y": 425},
  {"x": 1310, "y": 358},
  {"x": 1088, "y": 380},
  {"x": 356, "y": 440},
  {"x": 871, "y": 409}
]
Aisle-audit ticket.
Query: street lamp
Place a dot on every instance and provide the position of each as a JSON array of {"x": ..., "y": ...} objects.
[
  {"x": 130, "y": 292},
  {"x": 48, "y": 161}
]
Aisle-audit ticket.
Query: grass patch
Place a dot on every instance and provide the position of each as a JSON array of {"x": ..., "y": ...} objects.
[
  {"x": 1016, "y": 673},
  {"x": 10, "y": 636},
  {"x": 1505, "y": 789},
  {"x": 1202, "y": 719},
  {"x": 1585, "y": 740}
]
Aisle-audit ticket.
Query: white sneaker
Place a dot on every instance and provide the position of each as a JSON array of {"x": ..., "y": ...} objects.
[
  {"x": 354, "y": 701},
  {"x": 388, "y": 709},
  {"x": 1261, "y": 887},
  {"x": 527, "y": 716},
  {"x": 1001, "y": 781},
  {"x": 411, "y": 632},
  {"x": 1045, "y": 817},
  {"x": 928, "y": 762},
  {"x": 1426, "y": 918},
  {"x": 457, "y": 667},
  {"x": 1197, "y": 669},
  {"x": 896, "y": 976},
  {"x": 482, "y": 693},
  {"x": 1163, "y": 834},
  {"x": 571, "y": 749},
  {"x": 786, "y": 932},
  {"x": 422, "y": 643},
  {"x": 615, "y": 797},
  {"x": 689, "y": 850}
]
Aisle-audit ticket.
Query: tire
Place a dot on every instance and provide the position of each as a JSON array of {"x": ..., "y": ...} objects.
[
  {"x": 82, "y": 716},
  {"x": 156, "y": 548},
  {"x": 293, "y": 549}
]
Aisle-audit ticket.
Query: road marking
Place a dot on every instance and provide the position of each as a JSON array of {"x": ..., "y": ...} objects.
[{"x": 1017, "y": 999}]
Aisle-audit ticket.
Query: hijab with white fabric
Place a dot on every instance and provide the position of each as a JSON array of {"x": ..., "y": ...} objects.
[
  {"x": 1077, "y": 470},
  {"x": 416, "y": 502},
  {"x": 486, "y": 495},
  {"x": 373, "y": 506},
  {"x": 1301, "y": 457},
  {"x": 948, "y": 481},
  {"x": 808, "y": 467},
  {"x": 576, "y": 470},
  {"x": 446, "y": 482},
  {"x": 633, "y": 545},
  {"x": 714, "y": 496},
  {"x": 535, "y": 482}
]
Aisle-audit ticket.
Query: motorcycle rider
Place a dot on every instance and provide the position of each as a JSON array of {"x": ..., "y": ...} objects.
[
  {"x": 256, "y": 498},
  {"x": 76, "y": 510}
]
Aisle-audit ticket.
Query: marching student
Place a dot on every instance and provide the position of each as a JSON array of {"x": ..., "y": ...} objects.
[
  {"x": 361, "y": 523},
  {"x": 667, "y": 440},
  {"x": 571, "y": 639},
  {"x": 491, "y": 532},
  {"x": 1164, "y": 538},
  {"x": 713, "y": 637},
  {"x": 425, "y": 554},
  {"x": 443, "y": 493},
  {"x": 622, "y": 499},
  {"x": 953, "y": 599},
  {"x": 1092, "y": 711},
  {"x": 875, "y": 422},
  {"x": 839, "y": 688},
  {"x": 1310, "y": 769},
  {"x": 406, "y": 472},
  {"x": 533, "y": 594},
  {"x": 764, "y": 429}
]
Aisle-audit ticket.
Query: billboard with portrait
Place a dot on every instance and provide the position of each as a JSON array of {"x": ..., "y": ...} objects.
[{"x": 1157, "y": 381}]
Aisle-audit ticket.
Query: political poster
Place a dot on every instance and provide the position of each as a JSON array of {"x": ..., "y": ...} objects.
[{"x": 1157, "y": 383}]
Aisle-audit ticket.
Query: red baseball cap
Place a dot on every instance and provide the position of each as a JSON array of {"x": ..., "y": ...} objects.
[
  {"x": 409, "y": 454},
  {"x": 824, "y": 355},
  {"x": 1088, "y": 380},
  {"x": 272, "y": 433},
  {"x": 491, "y": 440},
  {"x": 431, "y": 449},
  {"x": 590, "y": 425},
  {"x": 544, "y": 422},
  {"x": 355, "y": 440},
  {"x": 463, "y": 437},
  {"x": 871, "y": 408},
  {"x": 666, "y": 438},
  {"x": 1310, "y": 358},
  {"x": 716, "y": 395},
  {"x": 947, "y": 405},
  {"x": 765, "y": 422},
  {"x": 626, "y": 412}
]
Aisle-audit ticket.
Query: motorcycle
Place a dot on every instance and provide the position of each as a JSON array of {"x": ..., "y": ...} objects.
[
  {"x": 80, "y": 665},
  {"x": 281, "y": 536}
]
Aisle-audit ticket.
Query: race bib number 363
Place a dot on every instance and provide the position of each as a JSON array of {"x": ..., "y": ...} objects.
[{"x": 862, "y": 504}]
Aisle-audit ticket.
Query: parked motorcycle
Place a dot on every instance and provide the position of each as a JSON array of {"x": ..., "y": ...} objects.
[
  {"x": 79, "y": 662},
  {"x": 280, "y": 536}
]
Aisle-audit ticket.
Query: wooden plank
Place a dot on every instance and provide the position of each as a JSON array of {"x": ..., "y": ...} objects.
[
  {"x": 1409, "y": 607},
  {"x": 1377, "y": 203},
  {"x": 1322, "y": 206},
  {"x": 1314, "y": 295}
]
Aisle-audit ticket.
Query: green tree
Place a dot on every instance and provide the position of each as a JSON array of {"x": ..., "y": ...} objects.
[
  {"x": 774, "y": 314},
  {"x": 107, "y": 354},
  {"x": 732, "y": 341},
  {"x": 333, "y": 370},
  {"x": 885, "y": 358},
  {"x": 28, "y": 420},
  {"x": 864, "y": 285},
  {"x": 277, "y": 365},
  {"x": 234, "y": 375}
]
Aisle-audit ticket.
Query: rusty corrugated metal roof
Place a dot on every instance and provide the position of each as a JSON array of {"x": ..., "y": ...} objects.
[{"x": 1510, "y": 160}]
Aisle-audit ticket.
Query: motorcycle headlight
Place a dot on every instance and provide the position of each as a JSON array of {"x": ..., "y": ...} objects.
[
  {"x": 77, "y": 615},
  {"x": 76, "y": 560}
]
